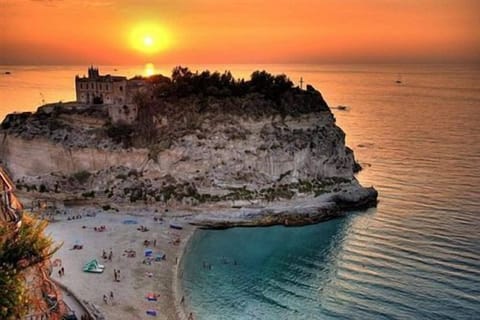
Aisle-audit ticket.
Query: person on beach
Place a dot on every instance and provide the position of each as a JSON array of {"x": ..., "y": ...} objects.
[
  {"x": 110, "y": 255},
  {"x": 182, "y": 301},
  {"x": 59, "y": 273},
  {"x": 111, "y": 296},
  {"x": 115, "y": 274},
  {"x": 105, "y": 299},
  {"x": 190, "y": 316},
  {"x": 63, "y": 271},
  {"x": 154, "y": 242}
]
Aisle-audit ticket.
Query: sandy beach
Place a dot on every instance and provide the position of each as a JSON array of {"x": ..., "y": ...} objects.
[
  {"x": 99, "y": 232},
  {"x": 136, "y": 278}
]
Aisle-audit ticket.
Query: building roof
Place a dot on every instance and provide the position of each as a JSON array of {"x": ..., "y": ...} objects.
[{"x": 105, "y": 78}]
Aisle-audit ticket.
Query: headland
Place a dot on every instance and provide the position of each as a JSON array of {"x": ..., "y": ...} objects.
[{"x": 198, "y": 148}]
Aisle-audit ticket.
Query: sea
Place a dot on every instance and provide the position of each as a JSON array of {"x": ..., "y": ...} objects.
[{"x": 415, "y": 129}]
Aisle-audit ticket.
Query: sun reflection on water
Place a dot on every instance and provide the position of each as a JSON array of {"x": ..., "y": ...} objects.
[{"x": 149, "y": 70}]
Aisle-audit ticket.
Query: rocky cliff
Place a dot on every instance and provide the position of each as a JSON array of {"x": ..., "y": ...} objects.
[{"x": 199, "y": 147}]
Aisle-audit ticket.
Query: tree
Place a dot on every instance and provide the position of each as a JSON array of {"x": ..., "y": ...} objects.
[{"x": 20, "y": 250}]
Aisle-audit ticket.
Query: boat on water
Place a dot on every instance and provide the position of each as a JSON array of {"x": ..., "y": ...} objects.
[
  {"x": 8, "y": 72},
  {"x": 399, "y": 79}
]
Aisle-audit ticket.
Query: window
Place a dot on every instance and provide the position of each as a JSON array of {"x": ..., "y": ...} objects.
[
  {"x": 91, "y": 86},
  {"x": 121, "y": 88}
]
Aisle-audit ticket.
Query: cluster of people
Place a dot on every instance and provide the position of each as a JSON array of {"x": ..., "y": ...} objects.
[
  {"x": 158, "y": 219},
  {"x": 105, "y": 298},
  {"x": 76, "y": 217},
  {"x": 207, "y": 265},
  {"x": 109, "y": 257},
  {"x": 100, "y": 229},
  {"x": 61, "y": 272},
  {"x": 142, "y": 228},
  {"x": 175, "y": 240},
  {"x": 116, "y": 275},
  {"x": 147, "y": 243}
]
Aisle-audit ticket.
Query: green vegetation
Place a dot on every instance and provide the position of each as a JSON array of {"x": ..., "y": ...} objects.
[
  {"x": 181, "y": 191},
  {"x": 81, "y": 176},
  {"x": 89, "y": 194},
  {"x": 121, "y": 134},
  {"x": 186, "y": 83},
  {"x": 181, "y": 105},
  {"x": 204, "y": 85},
  {"x": 19, "y": 251}
]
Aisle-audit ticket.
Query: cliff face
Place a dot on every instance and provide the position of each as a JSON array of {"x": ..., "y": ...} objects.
[
  {"x": 239, "y": 152},
  {"x": 240, "y": 148},
  {"x": 37, "y": 157}
]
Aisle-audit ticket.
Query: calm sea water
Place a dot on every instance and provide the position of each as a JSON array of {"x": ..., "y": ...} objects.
[{"x": 416, "y": 256}]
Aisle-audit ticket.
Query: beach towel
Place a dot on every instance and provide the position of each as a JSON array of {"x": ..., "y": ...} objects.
[
  {"x": 151, "y": 297},
  {"x": 152, "y": 312}
]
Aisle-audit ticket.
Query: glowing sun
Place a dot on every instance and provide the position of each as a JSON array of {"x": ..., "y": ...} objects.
[
  {"x": 148, "y": 41},
  {"x": 149, "y": 38}
]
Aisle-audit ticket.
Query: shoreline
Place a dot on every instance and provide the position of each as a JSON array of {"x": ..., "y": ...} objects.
[
  {"x": 178, "y": 292},
  {"x": 164, "y": 277}
]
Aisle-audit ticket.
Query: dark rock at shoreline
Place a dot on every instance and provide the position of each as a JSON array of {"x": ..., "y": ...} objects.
[{"x": 311, "y": 211}]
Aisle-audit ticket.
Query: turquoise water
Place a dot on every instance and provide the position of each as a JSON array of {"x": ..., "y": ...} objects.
[{"x": 416, "y": 256}]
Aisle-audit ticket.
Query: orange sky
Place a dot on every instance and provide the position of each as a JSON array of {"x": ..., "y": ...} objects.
[{"x": 238, "y": 31}]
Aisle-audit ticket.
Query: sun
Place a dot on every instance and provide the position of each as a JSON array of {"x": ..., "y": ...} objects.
[
  {"x": 149, "y": 38},
  {"x": 148, "y": 41}
]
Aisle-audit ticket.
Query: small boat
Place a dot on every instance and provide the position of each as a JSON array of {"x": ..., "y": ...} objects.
[
  {"x": 176, "y": 226},
  {"x": 343, "y": 108},
  {"x": 399, "y": 79},
  {"x": 8, "y": 72}
]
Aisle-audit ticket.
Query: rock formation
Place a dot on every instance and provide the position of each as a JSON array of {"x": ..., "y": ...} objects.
[{"x": 255, "y": 142}]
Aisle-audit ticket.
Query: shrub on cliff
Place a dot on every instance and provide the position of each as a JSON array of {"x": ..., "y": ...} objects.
[
  {"x": 121, "y": 134},
  {"x": 20, "y": 250},
  {"x": 81, "y": 176}
]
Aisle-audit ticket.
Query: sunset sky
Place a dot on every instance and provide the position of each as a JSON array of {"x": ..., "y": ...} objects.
[{"x": 238, "y": 31}]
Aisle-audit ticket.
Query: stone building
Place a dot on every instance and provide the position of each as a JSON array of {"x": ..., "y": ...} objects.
[
  {"x": 99, "y": 89},
  {"x": 115, "y": 92}
]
